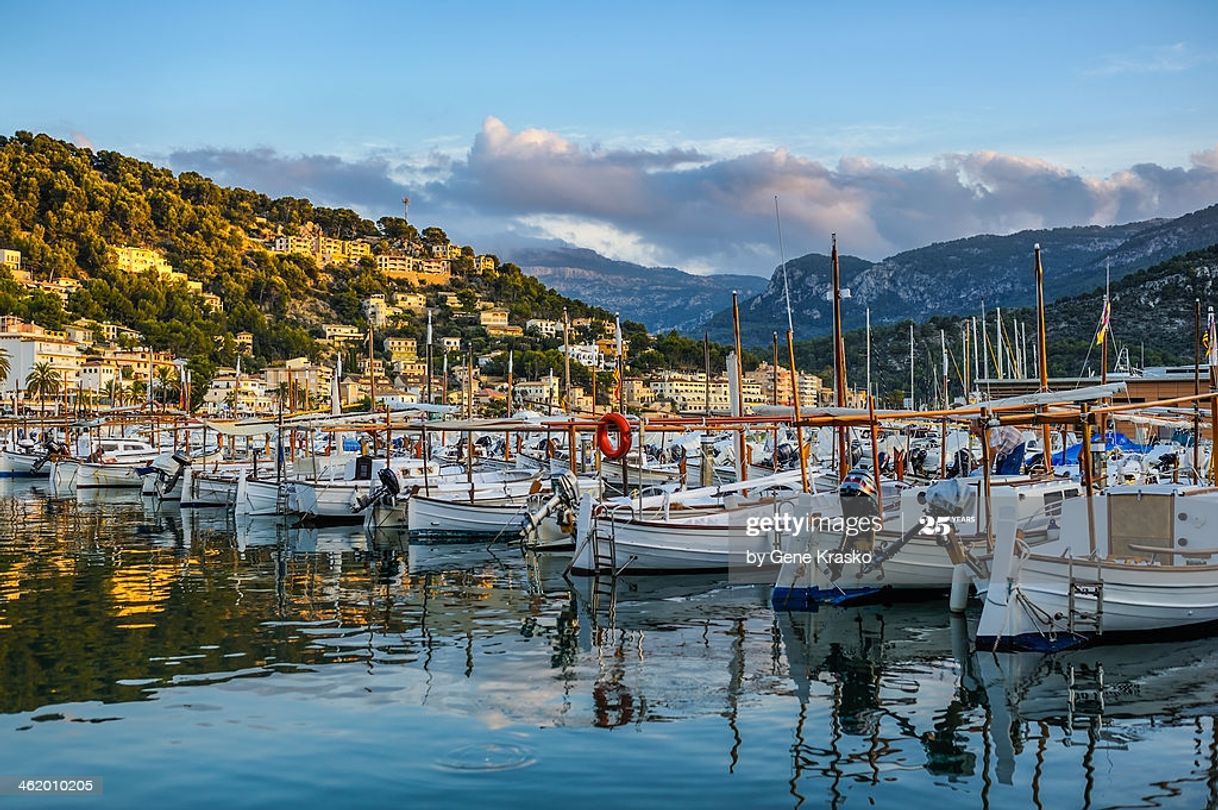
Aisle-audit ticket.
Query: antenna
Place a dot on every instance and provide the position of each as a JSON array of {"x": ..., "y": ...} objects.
[{"x": 406, "y": 208}]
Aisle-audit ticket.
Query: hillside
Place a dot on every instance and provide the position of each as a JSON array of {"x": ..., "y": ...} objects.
[
  {"x": 67, "y": 208},
  {"x": 1152, "y": 312},
  {"x": 951, "y": 278},
  {"x": 662, "y": 298}
]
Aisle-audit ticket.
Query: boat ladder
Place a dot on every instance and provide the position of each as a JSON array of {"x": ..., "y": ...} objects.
[
  {"x": 604, "y": 549},
  {"x": 1079, "y": 591},
  {"x": 281, "y": 499}
]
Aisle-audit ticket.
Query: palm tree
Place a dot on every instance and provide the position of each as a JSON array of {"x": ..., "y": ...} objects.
[
  {"x": 42, "y": 382},
  {"x": 112, "y": 389},
  {"x": 166, "y": 381},
  {"x": 5, "y": 366}
]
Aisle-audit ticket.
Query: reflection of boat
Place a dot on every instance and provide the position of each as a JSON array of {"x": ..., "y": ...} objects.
[{"x": 1093, "y": 686}]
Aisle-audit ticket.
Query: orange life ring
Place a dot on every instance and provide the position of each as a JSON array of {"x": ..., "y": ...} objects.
[{"x": 613, "y": 448}]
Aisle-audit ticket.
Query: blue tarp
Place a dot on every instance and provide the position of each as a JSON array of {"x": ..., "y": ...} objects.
[
  {"x": 350, "y": 445},
  {"x": 1115, "y": 441}
]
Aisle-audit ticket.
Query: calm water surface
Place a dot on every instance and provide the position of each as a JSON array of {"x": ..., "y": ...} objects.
[{"x": 188, "y": 661}]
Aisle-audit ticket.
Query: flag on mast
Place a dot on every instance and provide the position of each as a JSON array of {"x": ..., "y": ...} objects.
[
  {"x": 1210, "y": 338},
  {"x": 1105, "y": 318},
  {"x": 617, "y": 366},
  {"x": 1106, "y": 315}
]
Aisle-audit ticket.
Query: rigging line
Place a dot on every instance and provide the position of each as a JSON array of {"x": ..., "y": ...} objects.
[{"x": 786, "y": 290}]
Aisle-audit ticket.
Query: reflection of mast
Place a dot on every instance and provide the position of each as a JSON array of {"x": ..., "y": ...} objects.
[
  {"x": 735, "y": 670},
  {"x": 1038, "y": 771},
  {"x": 1089, "y": 760},
  {"x": 797, "y": 765}
]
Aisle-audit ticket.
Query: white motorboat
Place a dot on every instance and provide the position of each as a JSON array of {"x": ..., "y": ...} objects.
[
  {"x": 707, "y": 529},
  {"x": 256, "y": 497},
  {"x": 338, "y": 497},
  {"x": 1131, "y": 562},
  {"x": 213, "y": 488},
  {"x": 116, "y": 463},
  {"x": 529, "y": 512}
]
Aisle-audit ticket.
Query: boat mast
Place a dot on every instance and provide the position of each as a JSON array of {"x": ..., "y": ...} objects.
[
  {"x": 912, "y": 402},
  {"x": 786, "y": 291},
  {"x": 706, "y": 370},
  {"x": 868, "y": 316},
  {"x": 998, "y": 343},
  {"x": 1197, "y": 393},
  {"x": 1042, "y": 359},
  {"x": 566, "y": 361},
  {"x": 839, "y": 361},
  {"x": 429, "y": 367},
  {"x": 742, "y": 463}
]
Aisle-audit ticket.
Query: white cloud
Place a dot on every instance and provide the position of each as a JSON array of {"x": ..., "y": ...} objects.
[
  {"x": 689, "y": 206},
  {"x": 1172, "y": 58}
]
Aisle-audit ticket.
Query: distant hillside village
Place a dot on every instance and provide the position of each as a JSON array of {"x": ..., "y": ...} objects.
[{"x": 99, "y": 364}]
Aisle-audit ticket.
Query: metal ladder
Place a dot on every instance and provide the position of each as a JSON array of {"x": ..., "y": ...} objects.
[
  {"x": 604, "y": 549},
  {"x": 281, "y": 499},
  {"x": 1082, "y": 621}
]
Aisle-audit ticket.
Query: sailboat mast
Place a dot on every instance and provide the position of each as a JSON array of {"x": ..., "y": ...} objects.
[
  {"x": 912, "y": 400},
  {"x": 1042, "y": 358},
  {"x": 799, "y": 431},
  {"x": 869, "y": 354},
  {"x": 839, "y": 361},
  {"x": 742, "y": 462}
]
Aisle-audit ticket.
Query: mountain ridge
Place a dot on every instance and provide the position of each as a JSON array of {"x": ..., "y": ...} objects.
[
  {"x": 662, "y": 298},
  {"x": 954, "y": 277}
]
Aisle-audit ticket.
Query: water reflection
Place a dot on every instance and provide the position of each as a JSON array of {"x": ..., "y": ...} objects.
[{"x": 115, "y": 608}]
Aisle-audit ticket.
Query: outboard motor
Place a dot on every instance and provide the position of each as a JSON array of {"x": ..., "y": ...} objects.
[
  {"x": 390, "y": 487},
  {"x": 53, "y": 451},
  {"x": 169, "y": 482},
  {"x": 962, "y": 464},
  {"x": 563, "y": 503}
]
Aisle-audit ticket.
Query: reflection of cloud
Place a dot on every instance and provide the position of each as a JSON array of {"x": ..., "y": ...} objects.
[
  {"x": 692, "y": 207},
  {"x": 1162, "y": 59}
]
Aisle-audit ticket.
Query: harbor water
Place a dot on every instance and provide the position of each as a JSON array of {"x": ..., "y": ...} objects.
[{"x": 177, "y": 655}]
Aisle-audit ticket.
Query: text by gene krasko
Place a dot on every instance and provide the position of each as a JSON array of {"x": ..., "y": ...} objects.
[
  {"x": 819, "y": 559},
  {"x": 850, "y": 526}
]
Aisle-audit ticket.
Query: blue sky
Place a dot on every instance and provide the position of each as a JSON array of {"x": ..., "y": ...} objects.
[{"x": 356, "y": 103}]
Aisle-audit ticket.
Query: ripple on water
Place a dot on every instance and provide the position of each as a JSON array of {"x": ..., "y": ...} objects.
[{"x": 487, "y": 757}]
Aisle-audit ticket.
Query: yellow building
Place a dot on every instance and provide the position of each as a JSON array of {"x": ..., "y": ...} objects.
[
  {"x": 484, "y": 263},
  {"x": 400, "y": 348},
  {"x": 324, "y": 249},
  {"x": 342, "y": 333},
  {"x": 10, "y": 260},
  {"x": 496, "y": 317},
  {"x": 138, "y": 260},
  {"x": 415, "y": 302},
  {"x": 401, "y": 267}
]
